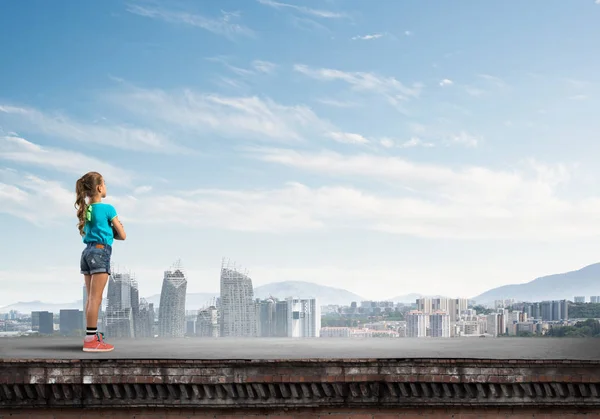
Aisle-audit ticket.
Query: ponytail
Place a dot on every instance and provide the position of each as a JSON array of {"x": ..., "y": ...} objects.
[
  {"x": 85, "y": 187},
  {"x": 80, "y": 204}
]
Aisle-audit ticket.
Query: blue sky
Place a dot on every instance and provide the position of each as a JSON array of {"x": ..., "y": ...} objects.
[{"x": 385, "y": 147}]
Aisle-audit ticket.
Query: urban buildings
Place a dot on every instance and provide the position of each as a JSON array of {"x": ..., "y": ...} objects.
[
  {"x": 70, "y": 322},
  {"x": 266, "y": 317},
  {"x": 281, "y": 318},
  {"x": 119, "y": 317},
  {"x": 595, "y": 299},
  {"x": 45, "y": 322},
  {"x": 417, "y": 324},
  {"x": 304, "y": 317},
  {"x": 207, "y": 323},
  {"x": 171, "y": 312},
  {"x": 144, "y": 326},
  {"x": 237, "y": 305},
  {"x": 579, "y": 299},
  {"x": 439, "y": 323}
]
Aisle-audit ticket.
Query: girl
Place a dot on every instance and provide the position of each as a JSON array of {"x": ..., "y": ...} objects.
[{"x": 99, "y": 226}]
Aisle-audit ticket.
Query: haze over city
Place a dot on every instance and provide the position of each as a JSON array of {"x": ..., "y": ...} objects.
[{"x": 370, "y": 146}]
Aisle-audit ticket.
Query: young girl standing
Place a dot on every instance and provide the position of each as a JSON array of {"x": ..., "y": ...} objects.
[{"x": 99, "y": 226}]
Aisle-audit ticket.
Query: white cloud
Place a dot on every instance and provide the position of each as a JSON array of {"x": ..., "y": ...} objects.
[
  {"x": 413, "y": 142},
  {"x": 446, "y": 82},
  {"x": 142, "y": 190},
  {"x": 302, "y": 9},
  {"x": 21, "y": 151},
  {"x": 237, "y": 70},
  {"x": 348, "y": 138},
  {"x": 22, "y": 194},
  {"x": 429, "y": 201},
  {"x": 387, "y": 142},
  {"x": 264, "y": 66},
  {"x": 408, "y": 33},
  {"x": 360, "y": 81},
  {"x": 466, "y": 139},
  {"x": 337, "y": 103},
  {"x": 597, "y": 1},
  {"x": 248, "y": 118},
  {"x": 223, "y": 26},
  {"x": 60, "y": 126},
  {"x": 367, "y": 37},
  {"x": 493, "y": 79},
  {"x": 416, "y": 142}
]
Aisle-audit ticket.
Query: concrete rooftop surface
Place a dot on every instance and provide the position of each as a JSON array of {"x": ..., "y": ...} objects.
[{"x": 288, "y": 348}]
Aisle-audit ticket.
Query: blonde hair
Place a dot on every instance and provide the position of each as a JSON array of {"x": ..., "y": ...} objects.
[{"x": 85, "y": 187}]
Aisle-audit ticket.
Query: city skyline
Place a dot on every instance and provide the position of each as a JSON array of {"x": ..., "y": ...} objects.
[{"x": 359, "y": 145}]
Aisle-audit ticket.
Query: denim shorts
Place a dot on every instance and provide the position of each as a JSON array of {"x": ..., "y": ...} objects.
[{"x": 95, "y": 260}]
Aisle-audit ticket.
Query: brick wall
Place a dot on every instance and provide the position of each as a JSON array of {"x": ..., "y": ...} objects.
[
  {"x": 458, "y": 413},
  {"x": 309, "y": 383}
]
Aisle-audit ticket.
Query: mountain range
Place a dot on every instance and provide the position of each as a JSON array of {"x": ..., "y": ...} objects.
[{"x": 585, "y": 282}]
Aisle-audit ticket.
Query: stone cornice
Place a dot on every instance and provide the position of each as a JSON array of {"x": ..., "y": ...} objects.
[{"x": 300, "y": 383}]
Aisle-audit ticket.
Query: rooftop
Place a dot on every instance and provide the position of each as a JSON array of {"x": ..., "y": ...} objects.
[{"x": 323, "y": 348}]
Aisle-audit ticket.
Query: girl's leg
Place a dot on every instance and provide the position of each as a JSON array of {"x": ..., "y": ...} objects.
[
  {"x": 88, "y": 280},
  {"x": 95, "y": 291}
]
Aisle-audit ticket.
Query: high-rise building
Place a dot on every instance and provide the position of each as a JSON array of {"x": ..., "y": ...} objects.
[
  {"x": 493, "y": 326},
  {"x": 119, "y": 314},
  {"x": 46, "y": 320},
  {"x": 281, "y": 319},
  {"x": 579, "y": 299},
  {"x": 35, "y": 321},
  {"x": 207, "y": 323},
  {"x": 439, "y": 324},
  {"x": 304, "y": 317},
  {"x": 417, "y": 324},
  {"x": 238, "y": 313},
  {"x": 595, "y": 299},
  {"x": 546, "y": 310},
  {"x": 70, "y": 322},
  {"x": 145, "y": 323},
  {"x": 171, "y": 312},
  {"x": 265, "y": 315}
]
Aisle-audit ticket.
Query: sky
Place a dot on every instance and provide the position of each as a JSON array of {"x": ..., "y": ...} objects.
[{"x": 383, "y": 147}]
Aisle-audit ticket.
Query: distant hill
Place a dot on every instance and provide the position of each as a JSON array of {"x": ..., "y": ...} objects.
[
  {"x": 28, "y": 307},
  {"x": 326, "y": 295},
  {"x": 585, "y": 281}
]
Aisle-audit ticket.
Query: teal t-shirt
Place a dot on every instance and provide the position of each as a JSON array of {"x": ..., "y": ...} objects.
[{"x": 98, "y": 228}]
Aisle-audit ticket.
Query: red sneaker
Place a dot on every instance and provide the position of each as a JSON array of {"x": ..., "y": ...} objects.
[{"x": 95, "y": 343}]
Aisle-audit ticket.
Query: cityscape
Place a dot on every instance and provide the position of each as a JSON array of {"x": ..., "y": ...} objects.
[{"x": 237, "y": 313}]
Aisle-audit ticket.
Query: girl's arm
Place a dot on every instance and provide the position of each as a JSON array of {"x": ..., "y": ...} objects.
[{"x": 118, "y": 230}]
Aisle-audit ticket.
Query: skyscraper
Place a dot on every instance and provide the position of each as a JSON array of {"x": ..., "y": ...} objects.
[
  {"x": 207, "y": 323},
  {"x": 238, "y": 316},
  {"x": 417, "y": 324},
  {"x": 281, "y": 319},
  {"x": 119, "y": 314},
  {"x": 265, "y": 315},
  {"x": 145, "y": 322},
  {"x": 304, "y": 317},
  {"x": 439, "y": 324},
  {"x": 171, "y": 312},
  {"x": 70, "y": 322},
  {"x": 46, "y": 322}
]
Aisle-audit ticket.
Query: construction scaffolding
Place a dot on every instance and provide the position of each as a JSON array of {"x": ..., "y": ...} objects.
[
  {"x": 238, "y": 312},
  {"x": 171, "y": 311}
]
